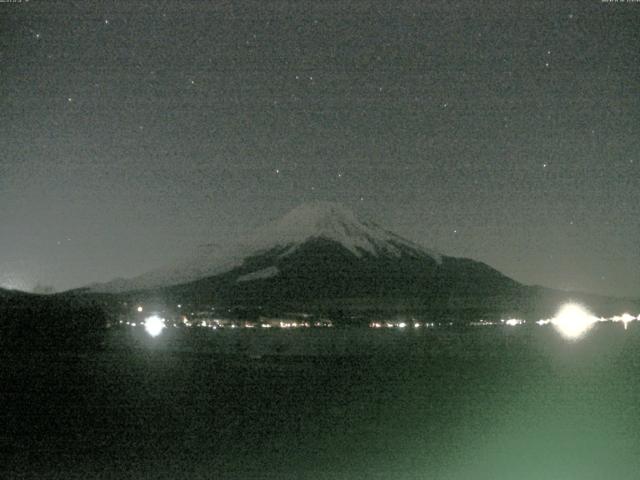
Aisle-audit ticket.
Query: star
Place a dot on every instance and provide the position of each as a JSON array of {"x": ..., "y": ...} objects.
[{"x": 106, "y": 21}]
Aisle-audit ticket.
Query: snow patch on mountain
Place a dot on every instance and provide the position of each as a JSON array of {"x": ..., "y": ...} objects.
[{"x": 260, "y": 274}]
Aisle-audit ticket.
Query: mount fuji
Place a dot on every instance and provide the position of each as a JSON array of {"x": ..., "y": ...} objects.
[
  {"x": 320, "y": 221},
  {"x": 322, "y": 254}
]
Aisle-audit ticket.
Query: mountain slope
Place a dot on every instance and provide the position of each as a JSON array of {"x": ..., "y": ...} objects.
[
  {"x": 321, "y": 254},
  {"x": 322, "y": 270},
  {"x": 319, "y": 220},
  {"x": 321, "y": 257}
]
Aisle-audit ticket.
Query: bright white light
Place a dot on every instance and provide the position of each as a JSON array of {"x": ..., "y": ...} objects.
[
  {"x": 625, "y": 318},
  {"x": 139, "y": 308},
  {"x": 512, "y": 322},
  {"x": 402, "y": 325},
  {"x": 154, "y": 325},
  {"x": 573, "y": 321}
]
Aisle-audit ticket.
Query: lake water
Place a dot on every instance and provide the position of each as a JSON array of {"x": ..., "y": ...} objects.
[{"x": 483, "y": 403}]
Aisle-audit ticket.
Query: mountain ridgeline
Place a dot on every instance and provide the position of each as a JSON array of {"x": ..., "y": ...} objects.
[{"x": 321, "y": 258}]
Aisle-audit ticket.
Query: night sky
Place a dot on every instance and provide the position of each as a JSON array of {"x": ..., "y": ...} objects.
[{"x": 508, "y": 132}]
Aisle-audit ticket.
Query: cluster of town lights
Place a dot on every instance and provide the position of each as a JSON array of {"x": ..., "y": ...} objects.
[
  {"x": 154, "y": 324},
  {"x": 413, "y": 324},
  {"x": 572, "y": 321}
]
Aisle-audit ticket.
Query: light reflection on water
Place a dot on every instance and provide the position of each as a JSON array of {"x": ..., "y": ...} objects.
[
  {"x": 488, "y": 404},
  {"x": 510, "y": 410}
]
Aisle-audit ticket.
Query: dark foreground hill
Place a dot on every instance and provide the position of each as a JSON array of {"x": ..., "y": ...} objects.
[{"x": 31, "y": 323}]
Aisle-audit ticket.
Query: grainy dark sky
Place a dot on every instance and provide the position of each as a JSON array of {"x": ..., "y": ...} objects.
[{"x": 508, "y": 132}]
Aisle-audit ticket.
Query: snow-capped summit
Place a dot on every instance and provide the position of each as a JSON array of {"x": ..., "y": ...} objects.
[
  {"x": 334, "y": 222},
  {"x": 312, "y": 221}
]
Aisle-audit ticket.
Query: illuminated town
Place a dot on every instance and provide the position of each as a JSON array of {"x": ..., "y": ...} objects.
[{"x": 572, "y": 321}]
